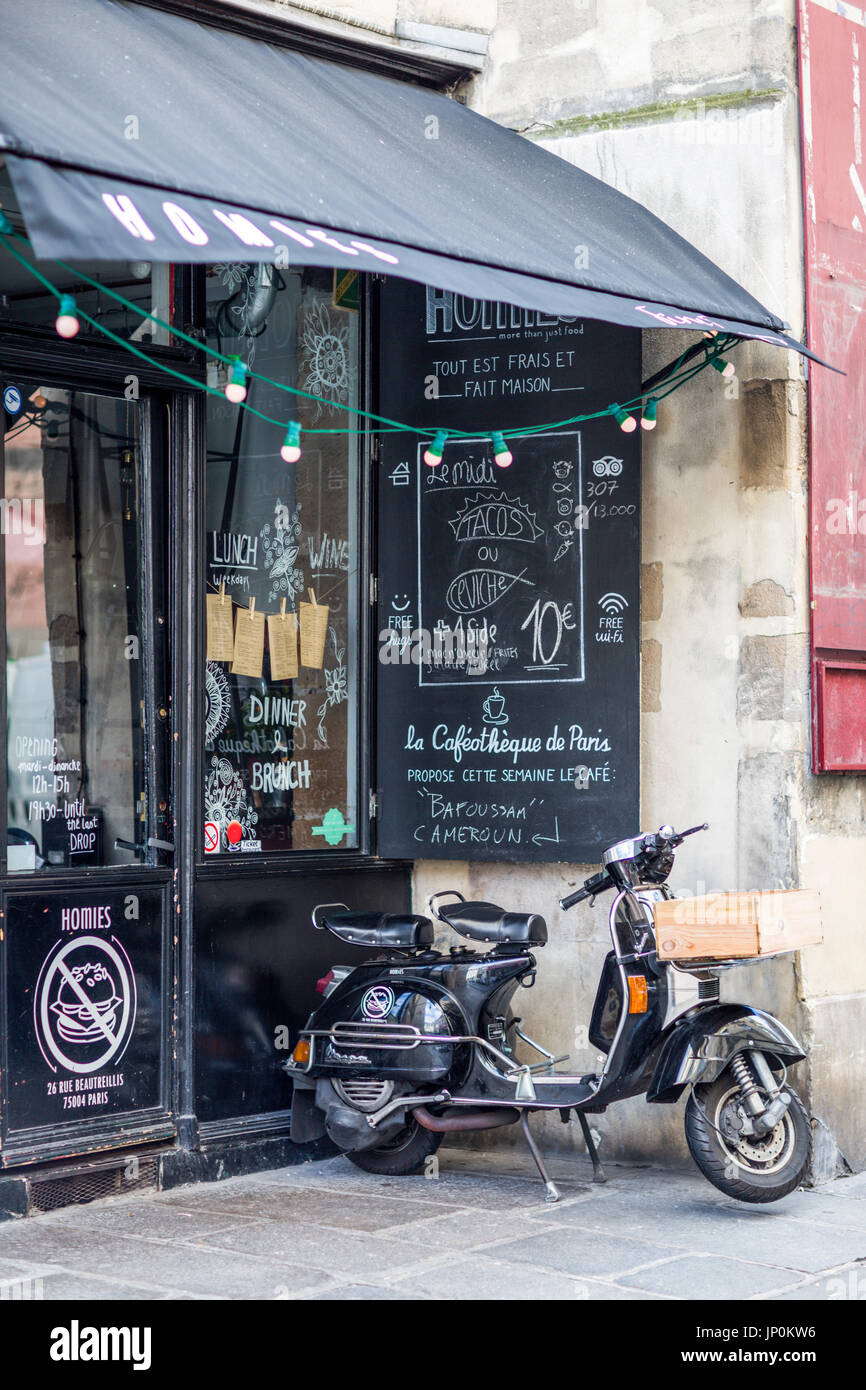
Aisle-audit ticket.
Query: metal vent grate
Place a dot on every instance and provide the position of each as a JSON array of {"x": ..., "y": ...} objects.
[
  {"x": 89, "y": 1184},
  {"x": 366, "y": 1095}
]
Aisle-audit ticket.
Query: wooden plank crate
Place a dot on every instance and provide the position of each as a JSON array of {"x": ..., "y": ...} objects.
[{"x": 737, "y": 926}]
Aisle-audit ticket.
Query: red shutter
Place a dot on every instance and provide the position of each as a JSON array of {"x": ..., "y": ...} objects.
[{"x": 833, "y": 96}]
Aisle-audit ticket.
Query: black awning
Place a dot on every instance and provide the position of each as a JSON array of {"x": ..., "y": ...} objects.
[{"x": 130, "y": 131}]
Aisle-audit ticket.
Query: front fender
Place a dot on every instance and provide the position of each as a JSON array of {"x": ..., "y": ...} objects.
[{"x": 699, "y": 1046}]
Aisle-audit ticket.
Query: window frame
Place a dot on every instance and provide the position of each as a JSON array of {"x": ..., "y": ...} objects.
[
  {"x": 297, "y": 860},
  {"x": 86, "y": 366}
]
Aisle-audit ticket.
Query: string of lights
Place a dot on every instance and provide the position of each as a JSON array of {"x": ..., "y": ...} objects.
[{"x": 239, "y": 374}]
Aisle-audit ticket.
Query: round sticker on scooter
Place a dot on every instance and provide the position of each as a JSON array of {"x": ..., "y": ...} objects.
[{"x": 377, "y": 1002}]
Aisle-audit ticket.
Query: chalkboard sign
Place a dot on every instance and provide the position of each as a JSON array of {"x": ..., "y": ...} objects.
[{"x": 508, "y": 597}]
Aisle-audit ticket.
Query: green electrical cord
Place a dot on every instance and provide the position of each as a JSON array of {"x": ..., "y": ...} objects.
[{"x": 678, "y": 376}]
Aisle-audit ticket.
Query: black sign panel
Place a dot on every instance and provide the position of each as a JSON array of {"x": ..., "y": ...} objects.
[
  {"x": 84, "y": 1002},
  {"x": 509, "y": 596}
]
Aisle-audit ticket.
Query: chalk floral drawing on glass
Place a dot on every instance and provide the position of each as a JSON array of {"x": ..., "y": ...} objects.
[
  {"x": 281, "y": 545},
  {"x": 225, "y": 797},
  {"x": 217, "y": 701},
  {"x": 324, "y": 357},
  {"x": 336, "y": 686}
]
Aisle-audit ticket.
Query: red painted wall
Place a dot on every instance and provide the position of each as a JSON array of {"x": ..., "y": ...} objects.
[{"x": 833, "y": 97}]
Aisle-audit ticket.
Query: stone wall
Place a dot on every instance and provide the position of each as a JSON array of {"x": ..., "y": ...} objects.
[{"x": 693, "y": 110}]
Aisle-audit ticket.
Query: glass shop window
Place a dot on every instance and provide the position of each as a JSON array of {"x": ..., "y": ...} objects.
[
  {"x": 75, "y": 763},
  {"x": 24, "y": 302},
  {"x": 281, "y": 680}
]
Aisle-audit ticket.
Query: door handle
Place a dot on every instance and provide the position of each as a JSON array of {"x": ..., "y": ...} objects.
[
  {"x": 151, "y": 843},
  {"x": 129, "y": 845}
]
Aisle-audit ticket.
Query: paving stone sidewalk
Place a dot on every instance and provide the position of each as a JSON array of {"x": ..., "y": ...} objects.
[{"x": 480, "y": 1230}]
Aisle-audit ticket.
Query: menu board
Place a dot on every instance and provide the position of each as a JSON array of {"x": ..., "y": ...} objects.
[{"x": 508, "y": 597}]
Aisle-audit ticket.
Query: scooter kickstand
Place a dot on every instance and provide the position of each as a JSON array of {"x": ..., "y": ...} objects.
[
  {"x": 552, "y": 1192},
  {"x": 598, "y": 1173}
]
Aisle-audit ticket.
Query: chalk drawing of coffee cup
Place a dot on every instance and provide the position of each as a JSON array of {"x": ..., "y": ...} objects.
[{"x": 494, "y": 708}]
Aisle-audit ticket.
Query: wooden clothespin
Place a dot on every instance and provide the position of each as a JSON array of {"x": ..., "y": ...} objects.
[{"x": 252, "y": 608}]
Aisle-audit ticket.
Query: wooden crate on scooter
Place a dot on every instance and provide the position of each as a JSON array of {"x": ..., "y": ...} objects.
[{"x": 737, "y": 926}]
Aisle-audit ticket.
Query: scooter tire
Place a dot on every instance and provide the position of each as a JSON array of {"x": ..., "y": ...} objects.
[
  {"x": 776, "y": 1166},
  {"x": 404, "y": 1154}
]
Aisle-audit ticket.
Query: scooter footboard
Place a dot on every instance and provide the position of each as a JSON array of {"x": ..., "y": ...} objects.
[{"x": 699, "y": 1048}]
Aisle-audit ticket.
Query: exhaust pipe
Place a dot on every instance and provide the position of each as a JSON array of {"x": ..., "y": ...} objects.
[{"x": 466, "y": 1119}]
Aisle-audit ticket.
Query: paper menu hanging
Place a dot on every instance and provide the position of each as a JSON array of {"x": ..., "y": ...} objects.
[
  {"x": 283, "y": 644},
  {"x": 314, "y": 630},
  {"x": 220, "y": 633},
  {"x": 249, "y": 646}
]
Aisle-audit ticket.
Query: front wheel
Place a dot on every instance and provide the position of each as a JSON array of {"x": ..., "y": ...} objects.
[
  {"x": 405, "y": 1153},
  {"x": 749, "y": 1168}
]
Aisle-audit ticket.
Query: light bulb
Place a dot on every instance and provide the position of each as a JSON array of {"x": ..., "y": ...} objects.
[
  {"x": 66, "y": 323},
  {"x": 726, "y": 369},
  {"x": 433, "y": 452},
  {"x": 236, "y": 386},
  {"x": 626, "y": 422},
  {"x": 291, "y": 450},
  {"x": 502, "y": 455},
  {"x": 648, "y": 418}
]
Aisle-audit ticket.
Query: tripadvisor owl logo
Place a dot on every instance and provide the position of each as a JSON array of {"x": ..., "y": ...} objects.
[{"x": 77, "y": 1343}]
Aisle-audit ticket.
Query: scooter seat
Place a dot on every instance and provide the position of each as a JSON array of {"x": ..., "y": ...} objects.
[
  {"x": 487, "y": 922},
  {"x": 401, "y": 931}
]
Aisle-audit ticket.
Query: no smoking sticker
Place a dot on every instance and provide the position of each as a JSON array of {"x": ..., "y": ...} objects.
[{"x": 211, "y": 837}]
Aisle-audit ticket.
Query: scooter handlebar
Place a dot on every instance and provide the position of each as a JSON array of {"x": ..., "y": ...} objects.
[
  {"x": 672, "y": 838},
  {"x": 665, "y": 839},
  {"x": 599, "y": 883},
  {"x": 694, "y": 830}
]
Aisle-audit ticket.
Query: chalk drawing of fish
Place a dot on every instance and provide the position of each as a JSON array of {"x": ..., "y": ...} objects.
[{"x": 477, "y": 589}]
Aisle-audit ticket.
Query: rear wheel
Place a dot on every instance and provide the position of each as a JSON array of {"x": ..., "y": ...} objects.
[
  {"x": 747, "y": 1167},
  {"x": 405, "y": 1153}
]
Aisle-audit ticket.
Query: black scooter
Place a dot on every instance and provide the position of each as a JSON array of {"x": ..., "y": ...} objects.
[{"x": 416, "y": 1043}]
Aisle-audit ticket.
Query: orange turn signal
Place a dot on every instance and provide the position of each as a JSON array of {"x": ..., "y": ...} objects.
[
  {"x": 637, "y": 995},
  {"x": 301, "y": 1054}
]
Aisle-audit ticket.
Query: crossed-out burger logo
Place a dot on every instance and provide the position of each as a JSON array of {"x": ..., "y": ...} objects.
[{"x": 377, "y": 1002}]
